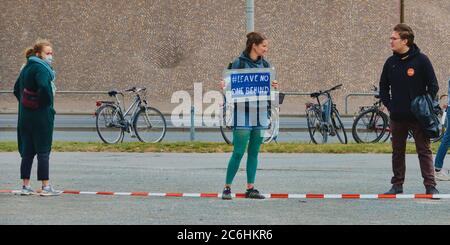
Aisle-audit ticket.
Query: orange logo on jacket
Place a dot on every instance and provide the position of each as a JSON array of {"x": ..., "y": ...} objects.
[{"x": 410, "y": 72}]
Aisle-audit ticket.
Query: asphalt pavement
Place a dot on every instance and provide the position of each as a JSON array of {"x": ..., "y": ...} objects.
[{"x": 195, "y": 173}]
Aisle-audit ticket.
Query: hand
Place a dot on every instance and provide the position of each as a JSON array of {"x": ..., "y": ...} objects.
[
  {"x": 222, "y": 84},
  {"x": 275, "y": 84}
]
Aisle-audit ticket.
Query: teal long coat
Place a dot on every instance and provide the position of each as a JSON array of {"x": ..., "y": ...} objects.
[{"x": 35, "y": 127}]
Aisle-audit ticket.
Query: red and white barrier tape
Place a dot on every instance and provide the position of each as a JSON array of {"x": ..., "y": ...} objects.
[{"x": 242, "y": 195}]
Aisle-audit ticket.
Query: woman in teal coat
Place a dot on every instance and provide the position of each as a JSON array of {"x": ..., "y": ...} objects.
[{"x": 35, "y": 90}]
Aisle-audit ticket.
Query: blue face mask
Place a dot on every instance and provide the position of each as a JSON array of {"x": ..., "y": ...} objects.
[{"x": 49, "y": 59}]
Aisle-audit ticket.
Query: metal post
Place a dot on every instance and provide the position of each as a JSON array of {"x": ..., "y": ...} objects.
[
  {"x": 250, "y": 15},
  {"x": 192, "y": 123},
  {"x": 402, "y": 11}
]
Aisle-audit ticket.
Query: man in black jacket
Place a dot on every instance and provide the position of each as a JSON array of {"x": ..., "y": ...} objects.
[{"x": 407, "y": 74}]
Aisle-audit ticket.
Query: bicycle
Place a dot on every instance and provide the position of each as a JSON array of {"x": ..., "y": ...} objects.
[
  {"x": 323, "y": 119},
  {"x": 227, "y": 116},
  {"x": 147, "y": 123},
  {"x": 372, "y": 124}
]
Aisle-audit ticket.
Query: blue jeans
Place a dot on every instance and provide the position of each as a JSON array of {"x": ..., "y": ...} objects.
[{"x": 443, "y": 148}]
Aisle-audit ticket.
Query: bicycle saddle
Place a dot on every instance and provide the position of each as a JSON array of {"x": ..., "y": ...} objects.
[{"x": 112, "y": 93}]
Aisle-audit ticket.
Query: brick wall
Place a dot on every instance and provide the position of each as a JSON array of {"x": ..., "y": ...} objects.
[{"x": 167, "y": 45}]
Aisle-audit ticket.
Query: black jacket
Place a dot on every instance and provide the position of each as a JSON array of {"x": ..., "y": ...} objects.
[{"x": 404, "y": 77}]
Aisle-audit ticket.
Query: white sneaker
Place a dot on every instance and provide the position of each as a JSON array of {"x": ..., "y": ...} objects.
[
  {"x": 49, "y": 191},
  {"x": 27, "y": 191},
  {"x": 443, "y": 175}
]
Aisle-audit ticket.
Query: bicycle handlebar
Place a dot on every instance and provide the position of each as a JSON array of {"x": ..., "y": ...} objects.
[
  {"x": 317, "y": 94},
  {"x": 130, "y": 89},
  {"x": 335, "y": 87},
  {"x": 133, "y": 89},
  {"x": 374, "y": 88}
]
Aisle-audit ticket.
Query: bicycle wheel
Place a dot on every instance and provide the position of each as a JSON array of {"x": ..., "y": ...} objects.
[
  {"x": 370, "y": 126},
  {"x": 227, "y": 131},
  {"x": 317, "y": 131},
  {"x": 149, "y": 125},
  {"x": 338, "y": 126},
  {"x": 271, "y": 133},
  {"x": 109, "y": 124},
  {"x": 225, "y": 123},
  {"x": 387, "y": 135},
  {"x": 227, "y": 134}
]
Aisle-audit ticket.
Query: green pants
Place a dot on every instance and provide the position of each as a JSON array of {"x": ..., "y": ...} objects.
[{"x": 242, "y": 138}]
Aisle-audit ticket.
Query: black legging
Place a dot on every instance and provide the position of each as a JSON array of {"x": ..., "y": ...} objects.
[{"x": 43, "y": 166}]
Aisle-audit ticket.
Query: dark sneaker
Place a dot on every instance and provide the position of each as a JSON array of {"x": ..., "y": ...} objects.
[
  {"x": 431, "y": 190},
  {"x": 395, "y": 189},
  {"x": 254, "y": 194},
  {"x": 226, "y": 194}
]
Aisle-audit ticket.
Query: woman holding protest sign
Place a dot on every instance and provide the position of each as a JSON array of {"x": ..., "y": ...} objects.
[{"x": 245, "y": 133}]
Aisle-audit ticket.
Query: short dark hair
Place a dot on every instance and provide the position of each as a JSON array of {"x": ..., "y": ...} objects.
[{"x": 405, "y": 32}]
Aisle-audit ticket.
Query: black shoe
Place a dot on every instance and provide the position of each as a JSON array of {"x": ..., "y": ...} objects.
[
  {"x": 226, "y": 194},
  {"x": 395, "y": 189},
  {"x": 431, "y": 190},
  {"x": 254, "y": 194}
]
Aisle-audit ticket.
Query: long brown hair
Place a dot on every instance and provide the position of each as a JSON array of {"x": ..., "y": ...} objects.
[
  {"x": 253, "y": 38},
  {"x": 37, "y": 48}
]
